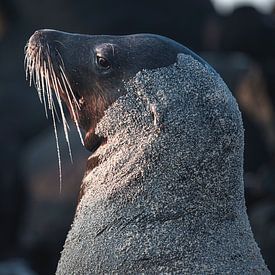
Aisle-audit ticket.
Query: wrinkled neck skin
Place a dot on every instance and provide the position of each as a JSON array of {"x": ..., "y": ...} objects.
[{"x": 167, "y": 194}]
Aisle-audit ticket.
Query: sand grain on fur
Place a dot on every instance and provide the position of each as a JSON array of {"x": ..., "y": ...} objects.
[{"x": 167, "y": 196}]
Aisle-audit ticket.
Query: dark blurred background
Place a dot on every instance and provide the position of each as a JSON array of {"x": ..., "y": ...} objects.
[{"x": 34, "y": 215}]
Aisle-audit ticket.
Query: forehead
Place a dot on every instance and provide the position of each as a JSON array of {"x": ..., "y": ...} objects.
[
  {"x": 106, "y": 48},
  {"x": 132, "y": 53},
  {"x": 131, "y": 43}
]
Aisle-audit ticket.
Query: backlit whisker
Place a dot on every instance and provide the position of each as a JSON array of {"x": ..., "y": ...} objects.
[
  {"x": 57, "y": 144},
  {"x": 43, "y": 69},
  {"x": 39, "y": 71},
  {"x": 37, "y": 76},
  {"x": 73, "y": 111},
  {"x": 69, "y": 86},
  {"x": 31, "y": 71},
  {"x": 65, "y": 124},
  {"x": 50, "y": 89},
  {"x": 49, "y": 96},
  {"x": 61, "y": 59}
]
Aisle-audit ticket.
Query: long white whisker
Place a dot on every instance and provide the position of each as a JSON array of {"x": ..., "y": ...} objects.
[
  {"x": 65, "y": 124},
  {"x": 61, "y": 59},
  {"x": 27, "y": 66},
  {"x": 31, "y": 67},
  {"x": 50, "y": 73},
  {"x": 57, "y": 145},
  {"x": 59, "y": 87},
  {"x": 50, "y": 99},
  {"x": 37, "y": 75},
  {"x": 48, "y": 89},
  {"x": 69, "y": 86},
  {"x": 26, "y": 60},
  {"x": 73, "y": 110},
  {"x": 40, "y": 71},
  {"x": 43, "y": 69}
]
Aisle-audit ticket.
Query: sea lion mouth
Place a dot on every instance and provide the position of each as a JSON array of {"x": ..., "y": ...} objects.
[{"x": 45, "y": 67}]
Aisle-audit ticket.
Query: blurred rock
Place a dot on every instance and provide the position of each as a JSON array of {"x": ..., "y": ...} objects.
[
  {"x": 21, "y": 117},
  {"x": 262, "y": 218},
  {"x": 15, "y": 267}
]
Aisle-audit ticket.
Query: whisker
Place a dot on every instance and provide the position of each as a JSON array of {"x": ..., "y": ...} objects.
[
  {"x": 37, "y": 76},
  {"x": 31, "y": 68},
  {"x": 61, "y": 59},
  {"x": 48, "y": 88},
  {"x": 57, "y": 145},
  {"x": 50, "y": 99},
  {"x": 69, "y": 86},
  {"x": 43, "y": 69},
  {"x": 60, "y": 87},
  {"x": 54, "y": 81},
  {"x": 27, "y": 60},
  {"x": 40, "y": 72},
  {"x": 62, "y": 44},
  {"x": 73, "y": 111}
]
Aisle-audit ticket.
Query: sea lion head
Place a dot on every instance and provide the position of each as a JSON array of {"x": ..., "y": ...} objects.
[{"x": 88, "y": 71}]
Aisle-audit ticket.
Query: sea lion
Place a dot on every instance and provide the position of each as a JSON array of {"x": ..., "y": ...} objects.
[{"x": 166, "y": 191}]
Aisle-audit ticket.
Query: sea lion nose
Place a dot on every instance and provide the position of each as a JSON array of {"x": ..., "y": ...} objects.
[
  {"x": 42, "y": 36},
  {"x": 38, "y": 32},
  {"x": 38, "y": 38}
]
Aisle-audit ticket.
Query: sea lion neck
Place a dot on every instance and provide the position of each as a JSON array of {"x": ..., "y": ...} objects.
[{"x": 170, "y": 173}]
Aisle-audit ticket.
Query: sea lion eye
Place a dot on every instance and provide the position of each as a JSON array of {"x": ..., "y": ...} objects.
[{"x": 103, "y": 62}]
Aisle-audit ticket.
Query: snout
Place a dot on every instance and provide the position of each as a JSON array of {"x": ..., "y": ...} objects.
[{"x": 43, "y": 37}]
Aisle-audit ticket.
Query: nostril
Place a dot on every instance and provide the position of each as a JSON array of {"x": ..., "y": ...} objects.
[
  {"x": 37, "y": 38},
  {"x": 43, "y": 36},
  {"x": 38, "y": 33}
]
